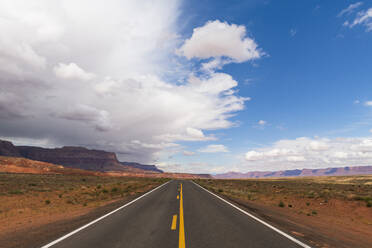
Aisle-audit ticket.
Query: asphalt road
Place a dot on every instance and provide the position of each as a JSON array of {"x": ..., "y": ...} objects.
[{"x": 148, "y": 222}]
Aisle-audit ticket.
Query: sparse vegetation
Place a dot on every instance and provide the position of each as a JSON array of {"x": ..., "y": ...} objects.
[
  {"x": 314, "y": 201},
  {"x": 322, "y": 188},
  {"x": 30, "y": 199},
  {"x": 15, "y": 192}
]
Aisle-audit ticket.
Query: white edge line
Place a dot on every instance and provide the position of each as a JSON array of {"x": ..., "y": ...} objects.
[
  {"x": 100, "y": 218},
  {"x": 257, "y": 219}
]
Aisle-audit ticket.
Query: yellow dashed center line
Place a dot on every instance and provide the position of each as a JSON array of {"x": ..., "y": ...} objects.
[
  {"x": 174, "y": 222},
  {"x": 181, "y": 240}
]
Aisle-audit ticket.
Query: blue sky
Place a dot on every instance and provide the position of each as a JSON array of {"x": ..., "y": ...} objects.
[
  {"x": 307, "y": 84},
  {"x": 192, "y": 86}
]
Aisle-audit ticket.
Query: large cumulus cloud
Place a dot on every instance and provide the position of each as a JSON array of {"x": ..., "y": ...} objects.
[{"x": 97, "y": 73}]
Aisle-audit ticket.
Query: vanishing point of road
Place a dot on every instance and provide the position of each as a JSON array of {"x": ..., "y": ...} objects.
[{"x": 177, "y": 214}]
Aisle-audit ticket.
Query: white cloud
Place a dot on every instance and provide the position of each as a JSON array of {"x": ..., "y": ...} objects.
[
  {"x": 296, "y": 158},
  {"x": 188, "y": 153},
  {"x": 214, "y": 149},
  {"x": 363, "y": 17},
  {"x": 153, "y": 145},
  {"x": 310, "y": 153},
  {"x": 107, "y": 87},
  {"x": 368, "y": 103},
  {"x": 217, "y": 83},
  {"x": 262, "y": 122},
  {"x": 97, "y": 118},
  {"x": 253, "y": 155},
  {"x": 350, "y": 9},
  {"x": 195, "y": 167},
  {"x": 194, "y": 132},
  {"x": 292, "y": 32},
  {"x": 10, "y": 106},
  {"x": 318, "y": 145},
  {"x": 218, "y": 39},
  {"x": 215, "y": 64},
  {"x": 356, "y": 102},
  {"x": 131, "y": 97},
  {"x": 190, "y": 134},
  {"x": 370, "y": 130},
  {"x": 72, "y": 71}
]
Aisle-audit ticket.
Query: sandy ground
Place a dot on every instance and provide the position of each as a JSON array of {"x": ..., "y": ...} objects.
[
  {"x": 50, "y": 228},
  {"x": 331, "y": 221},
  {"x": 35, "y": 209}
]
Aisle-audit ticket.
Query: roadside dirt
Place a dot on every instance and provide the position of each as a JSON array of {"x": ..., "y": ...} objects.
[
  {"x": 314, "y": 230},
  {"x": 49, "y": 228},
  {"x": 337, "y": 219},
  {"x": 35, "y": 209}
]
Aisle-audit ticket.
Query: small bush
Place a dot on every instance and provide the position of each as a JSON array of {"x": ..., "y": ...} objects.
[
  {"x": 290, "y": 205},
  {"x": 114, "y": 190},
  {"x": 47, "y": 202},
  {"x": 15, "y": 192},
  {"x": 105, "y": 191},
  {"x": 60, "y": 195},
  {"x": 281, "y": 204},
  {"x": 307, "y": 203},
  {"x": 369, "y": 204},
  {"x": 363, "y": 198},
  {"x": 358, "y": 198},
  {"x": 314, "y": 212},
  {"x": 99, "y": 186},
  {"x": 32, "y": 184},
  {"x": 220, "y": 190}
]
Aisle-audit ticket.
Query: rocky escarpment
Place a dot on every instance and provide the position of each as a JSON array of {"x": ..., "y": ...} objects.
[
  {"x": 74, "y": 157},
  {"x": 68, "y": 156},
  {"x": 8, "y": 149}
]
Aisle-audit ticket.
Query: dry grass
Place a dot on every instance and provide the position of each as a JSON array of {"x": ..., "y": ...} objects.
[
  {"x": 33, "y": 200},
  {"x": 348, "y": 188},
  {"x": 337, "y": 208}
]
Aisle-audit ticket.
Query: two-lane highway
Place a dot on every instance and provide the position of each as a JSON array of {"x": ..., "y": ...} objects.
[{"x": 178, "y": 214}]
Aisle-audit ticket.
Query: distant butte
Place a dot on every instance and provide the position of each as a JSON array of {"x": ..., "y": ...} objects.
[{"x": 339, "y": 171}]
